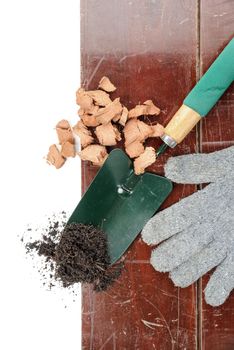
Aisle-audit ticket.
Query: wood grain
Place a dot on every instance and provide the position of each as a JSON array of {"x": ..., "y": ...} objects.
[
  {"x": 217, "y": 132},
  {"x": 148, "y": 49}
]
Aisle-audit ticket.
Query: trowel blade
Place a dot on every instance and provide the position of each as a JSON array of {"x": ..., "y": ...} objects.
[{"x": 120, "y": 202}]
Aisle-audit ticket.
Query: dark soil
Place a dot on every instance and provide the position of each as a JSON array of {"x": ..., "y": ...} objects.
[
  {"x": 82, "y": 256},
  {"x": 77, "y": 253}
]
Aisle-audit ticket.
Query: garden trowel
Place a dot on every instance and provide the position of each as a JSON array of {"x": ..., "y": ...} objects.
[{"x": 120, "y": 202}]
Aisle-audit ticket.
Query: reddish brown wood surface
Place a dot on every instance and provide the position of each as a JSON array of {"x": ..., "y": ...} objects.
[
  {"x": 150, "y": 50},
  {"x": 217, "y": 132}
]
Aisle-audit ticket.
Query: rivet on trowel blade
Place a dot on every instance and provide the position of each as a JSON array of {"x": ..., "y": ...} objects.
[{"x": 123, "y": 190}]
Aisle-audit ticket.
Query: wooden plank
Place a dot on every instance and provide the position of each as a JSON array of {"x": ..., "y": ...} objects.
[
  {"x": 148, "y": 49},
  {"x": 217, "y": 132}
]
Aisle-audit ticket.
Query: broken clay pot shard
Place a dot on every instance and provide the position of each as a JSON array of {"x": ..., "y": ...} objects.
[
  {"x": 148, "y": 108},
  {"x": 100, "y": 98},
  {"x": 106, "y": 84},
  {"x": 147, "y": 158},
  {"x": 157, "y": 130},
  {"x": 106, "y": 114},
  {"x": 134, "y": 149},
  {"x": 96, "y": 154},
  {"x": 64, "y": 132},
  {"x": 84, "y": 134},
  {"x": 68, "y": 149},
  {"x": 136, "y": 130},
  {"x": 54, "y": 157},
  {"x": 107, "y": 134}
]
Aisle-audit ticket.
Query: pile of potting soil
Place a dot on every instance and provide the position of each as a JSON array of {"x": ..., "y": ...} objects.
[{"x": 74, "y": 253}]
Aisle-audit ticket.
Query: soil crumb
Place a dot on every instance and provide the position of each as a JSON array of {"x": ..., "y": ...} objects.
[{"x": 74, "y": 253}]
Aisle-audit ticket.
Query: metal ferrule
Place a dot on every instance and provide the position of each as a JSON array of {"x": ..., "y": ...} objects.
[{"x": 169, "y": 141}]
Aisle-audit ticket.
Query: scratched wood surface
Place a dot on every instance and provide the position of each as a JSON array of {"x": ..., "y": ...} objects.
[
  {"x": 217, "y": 132},
  {"x": 150, "y": 50}
]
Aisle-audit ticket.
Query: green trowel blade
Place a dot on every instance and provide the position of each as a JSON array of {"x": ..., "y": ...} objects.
[{"x": 120, "y": 202}]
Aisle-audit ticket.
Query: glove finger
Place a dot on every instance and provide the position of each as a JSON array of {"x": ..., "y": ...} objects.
[
  {"x": 191, "y": 270},
  {"x": 172, "y": 220},
  {"x": 173, "y": 252},
  {"x": 200, "y": 168},
  {"x": 205, "y": 205},
  {"x": 183, "y": 214},
  {"x": 221, "y": 283}
]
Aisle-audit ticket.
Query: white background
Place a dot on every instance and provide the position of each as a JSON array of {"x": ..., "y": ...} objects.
[{"x": 39, "y": 74}]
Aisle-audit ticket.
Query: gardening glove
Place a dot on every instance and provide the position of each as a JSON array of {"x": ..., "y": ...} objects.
[{"x": 200, "y": 228}]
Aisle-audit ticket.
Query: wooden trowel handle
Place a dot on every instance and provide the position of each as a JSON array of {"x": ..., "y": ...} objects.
[{"x": 202, "y": 97}]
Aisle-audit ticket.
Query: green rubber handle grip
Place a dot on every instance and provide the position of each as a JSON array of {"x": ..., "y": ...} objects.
[{"x": 214, "y": 82}]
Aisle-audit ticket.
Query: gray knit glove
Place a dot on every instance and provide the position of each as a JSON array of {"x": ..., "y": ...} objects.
[{"x": 200, "y": 227}]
